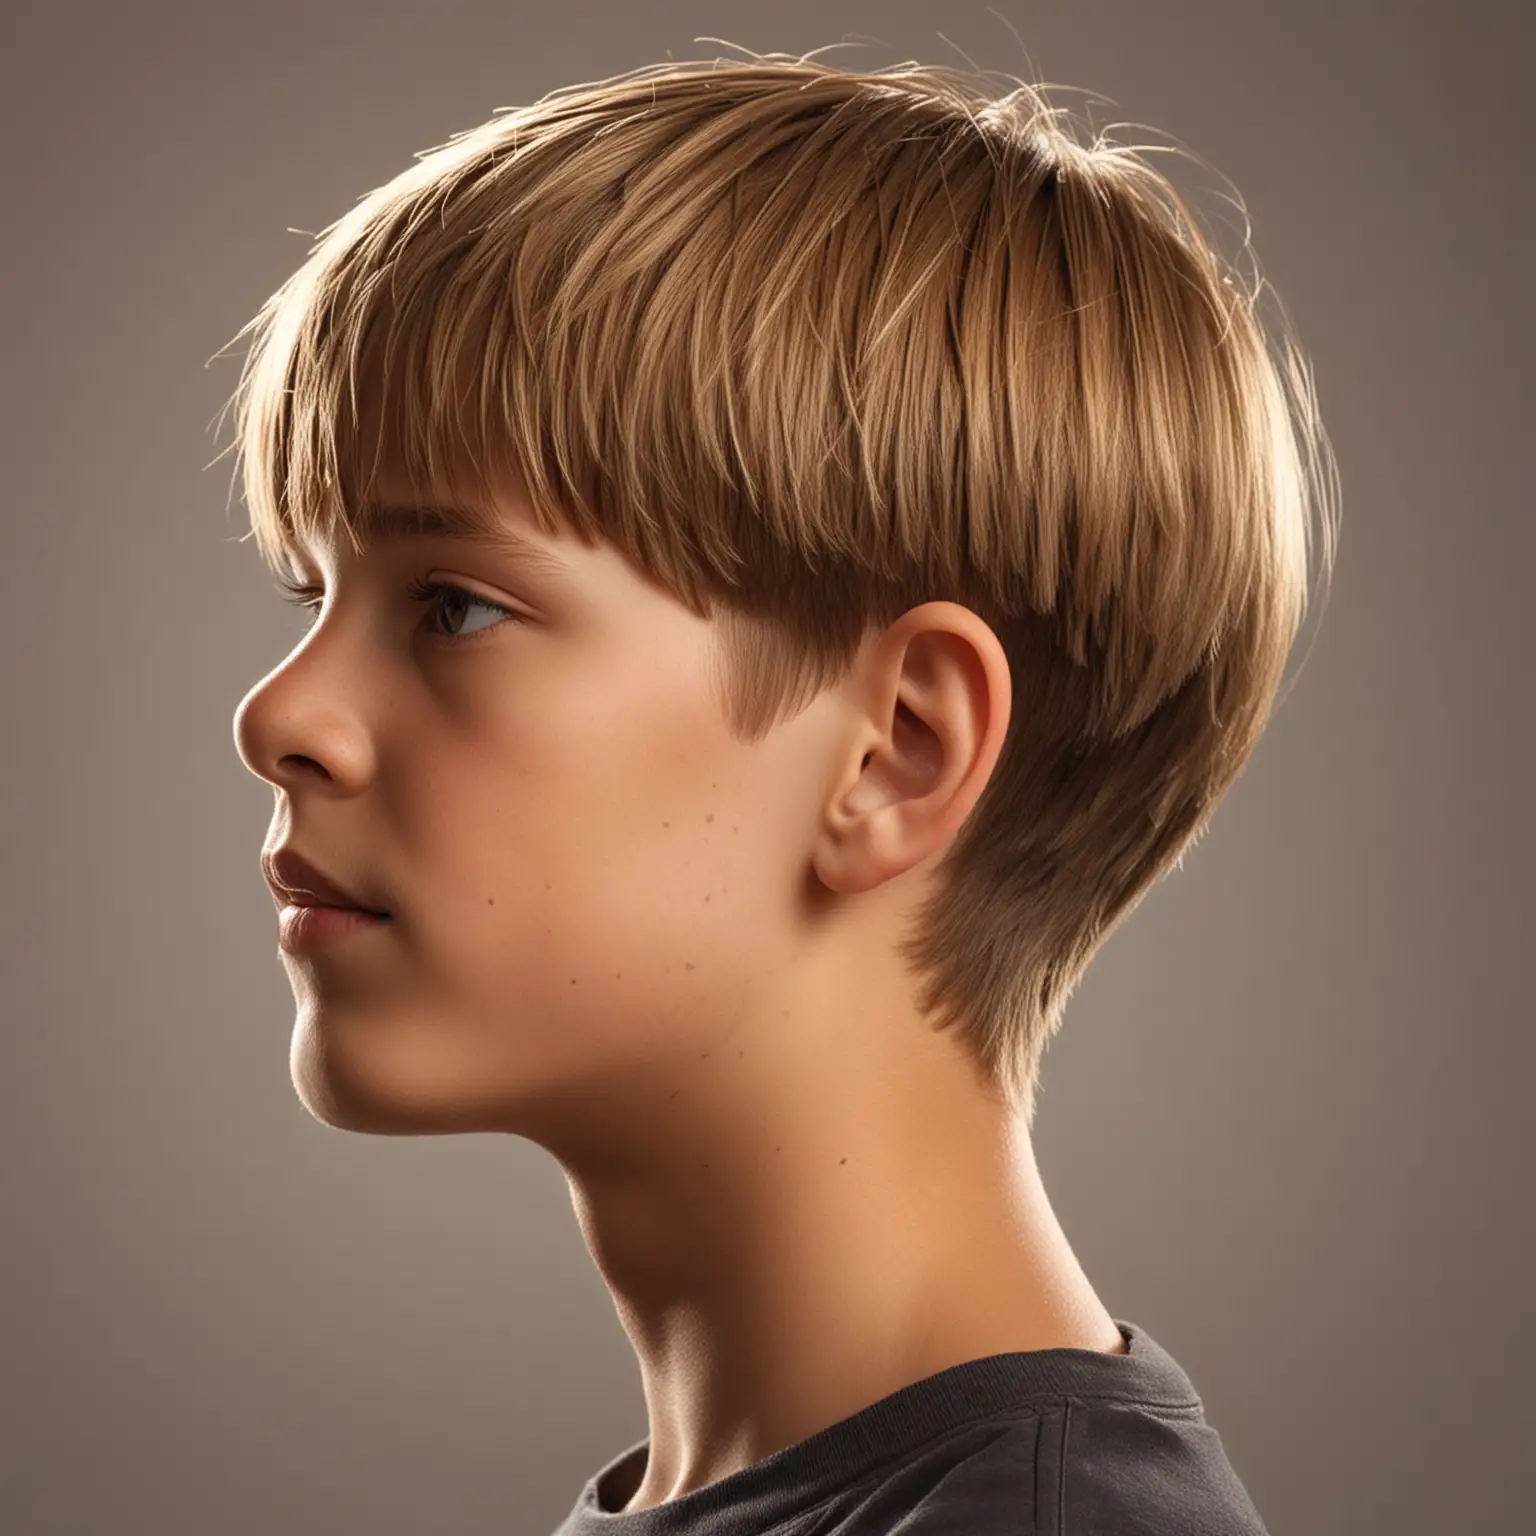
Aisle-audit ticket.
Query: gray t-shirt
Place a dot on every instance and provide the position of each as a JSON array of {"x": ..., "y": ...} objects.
[{"x": 1049, "y": 1442}]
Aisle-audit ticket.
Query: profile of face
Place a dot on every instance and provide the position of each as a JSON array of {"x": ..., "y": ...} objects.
[{"x": 586, "y": 876}]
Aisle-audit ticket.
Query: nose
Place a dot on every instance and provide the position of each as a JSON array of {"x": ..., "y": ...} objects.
[{"x": 302, "y": 722}]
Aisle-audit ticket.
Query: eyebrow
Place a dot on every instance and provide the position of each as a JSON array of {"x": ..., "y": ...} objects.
[{"x": 401, "y": 520}]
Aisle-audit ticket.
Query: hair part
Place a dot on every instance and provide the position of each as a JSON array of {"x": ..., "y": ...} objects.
[{"x": 811, "y": 347}]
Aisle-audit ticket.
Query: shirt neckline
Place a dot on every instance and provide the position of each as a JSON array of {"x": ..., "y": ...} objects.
[{"x": 790, "y": 1480}]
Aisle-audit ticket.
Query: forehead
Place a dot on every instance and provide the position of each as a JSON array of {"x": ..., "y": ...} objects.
[
  {"x": 493, "y": 514},
  {"x": 387, "y": 521}
]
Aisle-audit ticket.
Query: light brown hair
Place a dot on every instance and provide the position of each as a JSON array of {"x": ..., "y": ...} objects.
[{"x": 811, "y": 347}]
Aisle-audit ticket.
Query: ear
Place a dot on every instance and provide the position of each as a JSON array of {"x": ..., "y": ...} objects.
[{"x": 932, "y": 703}]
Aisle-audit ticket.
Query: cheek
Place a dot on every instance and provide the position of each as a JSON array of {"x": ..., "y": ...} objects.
[{"x": 598, "y": 886}]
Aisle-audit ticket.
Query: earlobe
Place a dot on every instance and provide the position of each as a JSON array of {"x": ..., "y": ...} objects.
[{"x": 883, "y": 822}]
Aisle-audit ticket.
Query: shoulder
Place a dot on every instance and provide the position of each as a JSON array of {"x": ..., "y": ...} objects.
[
  {"x": 1068, "y": 1469},
  {"x": 1143, "y": 1471}
]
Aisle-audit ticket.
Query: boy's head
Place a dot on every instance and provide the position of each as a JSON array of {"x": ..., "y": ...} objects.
[{"x": 933, "y": 525}]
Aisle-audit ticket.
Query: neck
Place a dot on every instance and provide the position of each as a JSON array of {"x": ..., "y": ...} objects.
[{"x": 782, "y": 1259}]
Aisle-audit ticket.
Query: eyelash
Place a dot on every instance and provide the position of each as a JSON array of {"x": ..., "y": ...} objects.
[{"x": 303, "y": 595}]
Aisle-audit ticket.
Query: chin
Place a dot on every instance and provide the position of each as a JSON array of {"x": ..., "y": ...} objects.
[
  {"x": 353, "y": 1084},
  {"x": 403, "y": 1073}
]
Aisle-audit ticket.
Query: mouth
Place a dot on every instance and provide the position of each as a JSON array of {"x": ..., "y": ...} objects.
[
  {"x": 295, "y": 882},
  {"x": 306, "y": 929},
  {"x": 288, "y": 898},
  {"x": 303, "y": 900}
]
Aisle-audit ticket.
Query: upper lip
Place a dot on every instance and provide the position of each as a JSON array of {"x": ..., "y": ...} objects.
[{"x": 296, "y": 882}]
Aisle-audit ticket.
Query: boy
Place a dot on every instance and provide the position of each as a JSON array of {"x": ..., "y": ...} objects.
[{"x": 797, "y": 555}]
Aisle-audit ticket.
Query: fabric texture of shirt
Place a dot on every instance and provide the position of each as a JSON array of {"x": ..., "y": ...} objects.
[{"x": 1050, "y": 1442}]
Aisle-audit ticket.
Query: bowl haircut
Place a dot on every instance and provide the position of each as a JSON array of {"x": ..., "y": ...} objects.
[{"x": 813, "y": 346}]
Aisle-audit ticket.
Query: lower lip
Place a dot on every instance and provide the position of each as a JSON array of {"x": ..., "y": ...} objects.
[{"x": 302, "y": 930}]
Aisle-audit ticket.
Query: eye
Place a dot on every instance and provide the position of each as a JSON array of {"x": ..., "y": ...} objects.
[
  {"x": 299, "y": 593},
  {"x": 448, "y": 599},
  {"x": 449, "y": 604}
]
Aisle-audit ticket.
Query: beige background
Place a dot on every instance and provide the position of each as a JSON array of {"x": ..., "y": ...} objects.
[{"x": 1286, "y": 1122}]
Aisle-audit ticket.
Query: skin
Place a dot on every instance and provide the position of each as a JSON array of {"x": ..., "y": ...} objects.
[{"x": 666, "y": 957}]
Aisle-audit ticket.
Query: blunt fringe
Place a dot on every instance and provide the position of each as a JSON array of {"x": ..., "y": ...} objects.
[{"x": 811, "y": 347}]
